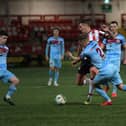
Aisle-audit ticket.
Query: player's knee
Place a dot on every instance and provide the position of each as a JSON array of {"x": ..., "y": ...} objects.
[
  {"x": 15, "y": 81},
  {"x": 120, "y": 86},
  {"x": 52, "y": 68}
]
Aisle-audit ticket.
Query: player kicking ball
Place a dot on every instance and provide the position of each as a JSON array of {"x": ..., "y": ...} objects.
[
  {"x": 5, "y": 75},
  {"x": 107, "y": 72}
]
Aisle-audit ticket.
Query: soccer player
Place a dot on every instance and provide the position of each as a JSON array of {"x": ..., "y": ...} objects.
[
  {"x": 93, "y": 34},
  {"x": 5, "y": 75},
  {"x": 84, "y": 68},
  {"x": 107, "y": 72},
  {"x": 113, "y": 47},
  {"x": 55, "y": 55}
]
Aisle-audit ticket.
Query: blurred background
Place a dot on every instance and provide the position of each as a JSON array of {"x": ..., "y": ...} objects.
[{"x": 29, "y": 24}]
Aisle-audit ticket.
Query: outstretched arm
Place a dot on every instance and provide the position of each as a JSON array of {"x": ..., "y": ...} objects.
[{"x": 74, "y": 58}]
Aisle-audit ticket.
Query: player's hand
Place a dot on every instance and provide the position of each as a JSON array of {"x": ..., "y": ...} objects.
[
  {"x": 74, "y": 62},
  {"x": 62, "y": 58},
  {"x": 68, "y": 53},
  {"x": 47, "y": 58},
  {"x": 124, "y": 61}
]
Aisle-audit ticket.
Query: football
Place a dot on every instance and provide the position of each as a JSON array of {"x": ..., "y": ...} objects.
[{"x": 60, "y": 99}]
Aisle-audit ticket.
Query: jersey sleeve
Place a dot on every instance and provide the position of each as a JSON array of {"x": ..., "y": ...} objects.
[
  {"x": 62, "y": 47},
  {"x": 123, "y": 41},
  {"x": 47, "y": 47}
]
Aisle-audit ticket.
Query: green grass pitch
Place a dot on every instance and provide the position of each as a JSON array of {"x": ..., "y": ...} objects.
[{"x": 35, "y": 104}]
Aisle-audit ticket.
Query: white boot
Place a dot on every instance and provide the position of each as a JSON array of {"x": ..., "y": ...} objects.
[
  {"x": 50, "y": 82},
  {"x": 56, "y": 84}
]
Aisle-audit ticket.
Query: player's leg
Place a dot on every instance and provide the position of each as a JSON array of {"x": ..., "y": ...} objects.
[
  {"x": 56, "y": 77},
  {"x": 117, "y": 63},
  {"x": 93, "y": 71},
  {"x": 102, "y": 93},
  {"x": 57, "y": 65},
  {"x": 117, "y": 81},
  {"x": 106, "y": 87},
  {"x": 14, "y": 81},
  {"x": 102, "y": 78},
  {"x": 51, "y": 72},
  {"x": 79, "y": 79},
  {"x": 81, "y": 76},
  {"x": 114, "y": 91}
]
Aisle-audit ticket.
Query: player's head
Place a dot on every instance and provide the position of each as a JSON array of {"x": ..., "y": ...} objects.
[
  {"x": 84, "y": 39},
  {"x": 104, "y": 27},
  {"x": 3, "y": 37},
  {"x": 85, "y": 25},
  {"x": 56, "y": 31},
  {"x": 114, "y": 26}
]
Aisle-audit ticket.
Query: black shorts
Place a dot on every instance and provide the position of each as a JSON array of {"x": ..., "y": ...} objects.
[{"x": 84, "y": 69}]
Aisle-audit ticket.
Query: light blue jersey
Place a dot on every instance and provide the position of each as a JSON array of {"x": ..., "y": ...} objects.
[
  {"x": 96, "y": 54},
  {"x": 113, "y": 50},
  {"x": 3, "y": 57},
  {"x": 5, "y": 75},
  {"x": 55, "y": 50},
  {"x": 107, "y": 71},
  {"x": 56, "y": 47}
]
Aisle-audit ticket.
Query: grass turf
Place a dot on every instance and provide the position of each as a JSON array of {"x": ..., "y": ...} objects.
[{"x": 35, "y": 105}]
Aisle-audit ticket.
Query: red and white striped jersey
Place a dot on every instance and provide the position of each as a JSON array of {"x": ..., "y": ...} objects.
[{"x": 95, "y": 35}]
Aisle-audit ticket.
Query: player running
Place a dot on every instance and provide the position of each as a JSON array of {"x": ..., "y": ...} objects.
[{"x": 5, "y": 75}]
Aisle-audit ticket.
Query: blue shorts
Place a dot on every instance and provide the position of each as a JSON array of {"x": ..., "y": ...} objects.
[
  {"x": 6, "y": 75},
  {"x": 108, "y": 74},
  {"x": 55, "y": 63},
  {"x": 115, "y": 61}
]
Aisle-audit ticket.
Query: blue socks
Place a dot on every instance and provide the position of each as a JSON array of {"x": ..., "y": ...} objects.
[
  {"x": 50, "y": 74},
  {"x": 11, "y": 90},
  {"x": 103, "y": 94},
  {"x": 114, "y": 89},
  {"x": 56, "y": 77}
]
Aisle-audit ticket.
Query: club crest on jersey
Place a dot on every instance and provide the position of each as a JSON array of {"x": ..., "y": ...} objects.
[
  {"x": 3, "y": 50},
  {"x": 114, "y": 41},
  {"x": 55, "y": 42}
]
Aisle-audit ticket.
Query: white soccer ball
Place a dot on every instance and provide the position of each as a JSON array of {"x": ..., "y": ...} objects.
[{"x": 60, "y": 99}]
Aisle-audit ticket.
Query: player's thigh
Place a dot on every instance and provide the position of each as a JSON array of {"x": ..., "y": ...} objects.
[
  {"x": 58, "y": 63},
  {"x": 102, "y": 77},
  {"x": 7, "y": 76},
  {"x": 51, "y": 63},
  {"x": 116, "y": 79}
]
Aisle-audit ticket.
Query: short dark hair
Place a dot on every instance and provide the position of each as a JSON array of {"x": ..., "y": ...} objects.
[
  {"x": 86, "y": 21},
  {"x": 56, "y": 28},
  {"x": 2, "y": 32},
  {"x": 114, "y": 22}
]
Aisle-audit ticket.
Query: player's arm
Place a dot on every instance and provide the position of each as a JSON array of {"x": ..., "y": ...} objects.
[
  {"x": 123, "y": 41},
  {"x": 74, "y": 58},
  {"x": 124, "y": 59},
  {"x": 47, "y": 50},
  {"x": 62, "y": 49},
  {"x": 68, "y": 53},
  {"x": 93, "y": 72}
]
